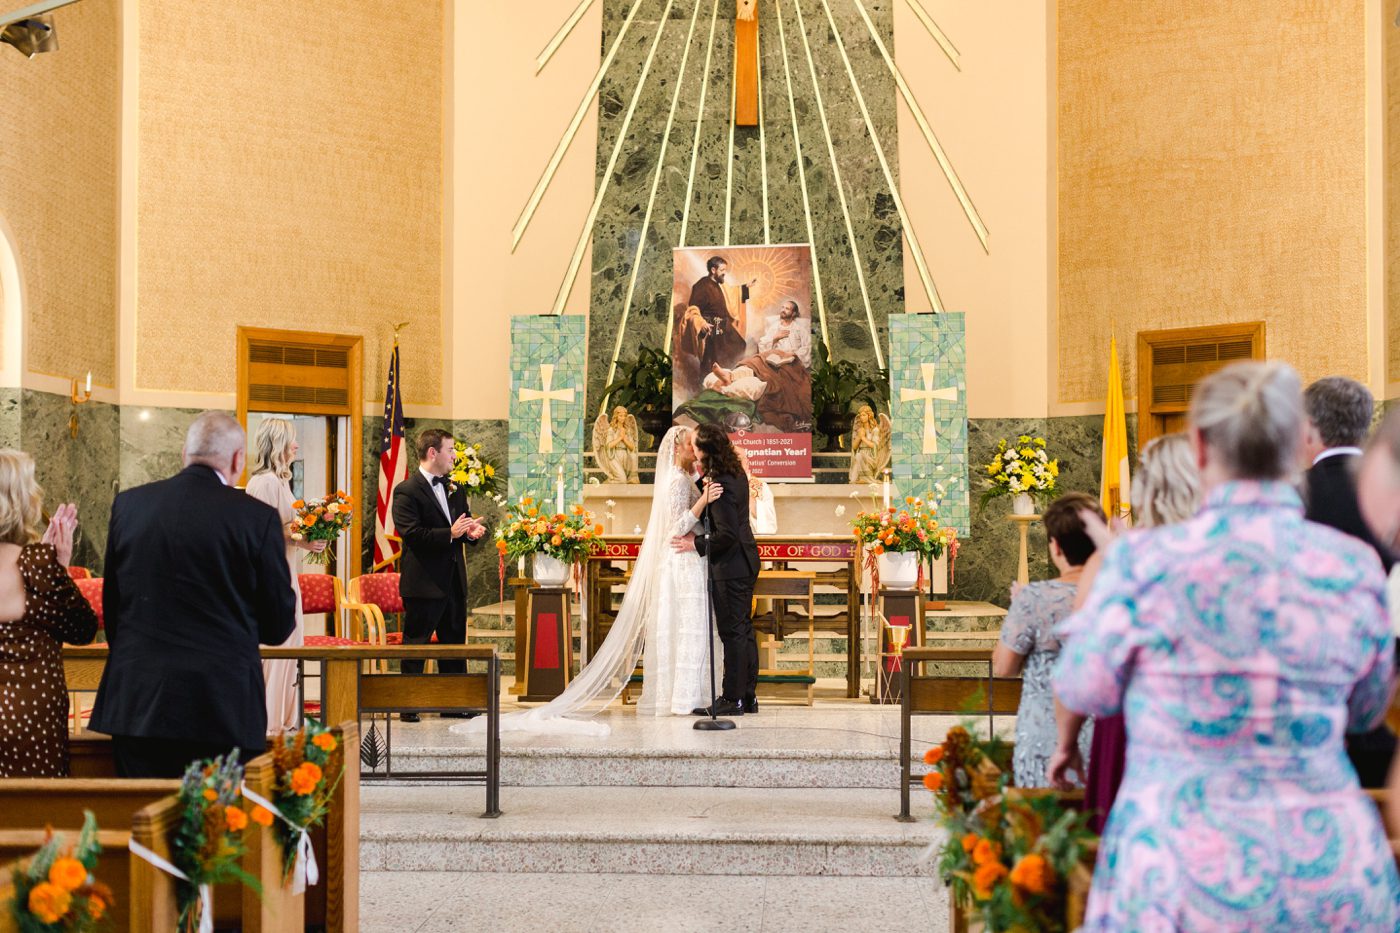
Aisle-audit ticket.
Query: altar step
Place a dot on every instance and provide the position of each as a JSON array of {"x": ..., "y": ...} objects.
[
  {"x": 839, "y": 744},
  {"x": 643, "y": 830}
]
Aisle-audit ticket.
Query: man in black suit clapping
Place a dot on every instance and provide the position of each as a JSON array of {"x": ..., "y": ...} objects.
[
  {"x": 196, "y": 579},
  {"x": 728, "y": 543},
  {"x": 1339, "y": 418},
  {"x": 433, "y": 521}
]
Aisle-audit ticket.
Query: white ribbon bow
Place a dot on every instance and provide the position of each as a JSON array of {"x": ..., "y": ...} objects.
[
  {"x": 305, "y": 871},
  {"x": 206, "y": 897}
]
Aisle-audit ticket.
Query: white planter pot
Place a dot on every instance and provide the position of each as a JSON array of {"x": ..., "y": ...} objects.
[
  {"x": 899, "y": 570},
  {"x": 1022, "y": 504},
  {"x": 550, "y": 571}
]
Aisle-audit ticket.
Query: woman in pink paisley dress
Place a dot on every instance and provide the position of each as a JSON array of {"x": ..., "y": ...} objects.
[{"x": 1240, "y": 645}]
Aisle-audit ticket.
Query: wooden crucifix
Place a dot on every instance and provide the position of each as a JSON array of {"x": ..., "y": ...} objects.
[{"x": 746, "y": 63}]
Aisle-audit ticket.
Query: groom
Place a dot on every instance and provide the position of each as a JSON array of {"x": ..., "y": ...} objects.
[{"x": 727, "y": 541}]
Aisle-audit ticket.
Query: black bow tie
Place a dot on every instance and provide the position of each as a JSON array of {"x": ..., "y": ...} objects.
[{"x": 439, "y": 480}]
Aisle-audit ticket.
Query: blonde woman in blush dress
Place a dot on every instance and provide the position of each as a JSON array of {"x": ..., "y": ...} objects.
[{"x": 274, "y": 449}]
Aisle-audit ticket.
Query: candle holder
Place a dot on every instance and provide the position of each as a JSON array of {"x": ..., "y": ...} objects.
[{"x": 78, "y": 397}]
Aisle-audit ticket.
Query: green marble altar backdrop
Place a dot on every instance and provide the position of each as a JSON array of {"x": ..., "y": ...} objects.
[{"x": 618, "y": 231}]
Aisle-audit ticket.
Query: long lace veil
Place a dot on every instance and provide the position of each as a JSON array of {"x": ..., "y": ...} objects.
[{"x": 612, "y": 664}]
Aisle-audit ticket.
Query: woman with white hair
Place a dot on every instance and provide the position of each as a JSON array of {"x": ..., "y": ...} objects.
[
  {"x": 1240, "y": 645},
  {"x": 274, "y": 450}
]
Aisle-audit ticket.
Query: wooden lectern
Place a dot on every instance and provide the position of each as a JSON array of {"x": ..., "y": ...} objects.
[{"x": 544, "y": 662}]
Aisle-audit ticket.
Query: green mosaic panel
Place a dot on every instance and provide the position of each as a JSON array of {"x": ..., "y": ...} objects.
[
  {"x": 918, "y": 342},
  {"x": 536, "y": 343}
]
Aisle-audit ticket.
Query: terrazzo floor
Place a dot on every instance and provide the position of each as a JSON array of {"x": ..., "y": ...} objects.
[{"x": 439, "y": 902}]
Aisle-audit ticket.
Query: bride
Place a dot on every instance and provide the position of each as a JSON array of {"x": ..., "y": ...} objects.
[{"x": 663, "y": 609}]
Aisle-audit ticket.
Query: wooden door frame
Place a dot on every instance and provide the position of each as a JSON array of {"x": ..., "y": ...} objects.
[
  {"x": 353, "y": 409},
  {"x": 1148, "y": 339}
]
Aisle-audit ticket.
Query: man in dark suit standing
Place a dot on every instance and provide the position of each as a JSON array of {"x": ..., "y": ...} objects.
[
  {"x": 1339, "y": 418},
  {"x": 434, "y": 521},
  {"x": 727, "y": 542},
  {"x": 196, "y": 579}
]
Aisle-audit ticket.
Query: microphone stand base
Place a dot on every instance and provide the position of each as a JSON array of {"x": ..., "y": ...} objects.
[{"x": 714, "y": 725}]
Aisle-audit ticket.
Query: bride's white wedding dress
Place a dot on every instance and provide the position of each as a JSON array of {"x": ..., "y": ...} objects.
[{"x": 663, "y": 608}]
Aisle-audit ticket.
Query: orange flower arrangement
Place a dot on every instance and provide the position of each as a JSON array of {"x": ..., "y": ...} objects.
[
  {"x": 304, "y": 787},
  {"x": 208, "y": 844},
  {"x": 990, "y": 826},
  {"x": 569, "y": 536},
  {"x": 55, "y": 890}
]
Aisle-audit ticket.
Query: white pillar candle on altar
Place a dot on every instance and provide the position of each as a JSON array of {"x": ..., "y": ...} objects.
[
  {"x": 88, "y": 388},
  {"x": 559, "y": 492},
  {"x": 887, "y": 489}
]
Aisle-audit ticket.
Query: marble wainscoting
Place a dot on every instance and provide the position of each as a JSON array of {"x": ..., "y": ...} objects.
[
  {"x": 151, "y": 443},
  {"x": 493, "y": 436},
  {"x": 82, "y": 470},
  {"x": 986, "y": 564},
  {"x": 617, "y": 232}
]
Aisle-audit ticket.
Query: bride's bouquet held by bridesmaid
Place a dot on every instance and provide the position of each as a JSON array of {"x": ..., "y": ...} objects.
[{"x": 323, "y": 519}]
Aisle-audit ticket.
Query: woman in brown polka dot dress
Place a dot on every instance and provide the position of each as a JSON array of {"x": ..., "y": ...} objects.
[{"x": 40, "y": 609}]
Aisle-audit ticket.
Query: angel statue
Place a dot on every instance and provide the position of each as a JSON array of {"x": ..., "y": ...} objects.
[
  {"x": 870, "y": 445},
  {"x": 615, "y": 446}
]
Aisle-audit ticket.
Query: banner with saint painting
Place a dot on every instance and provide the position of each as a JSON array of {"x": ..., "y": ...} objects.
[
  {"x": 928, "y": 408},
  {"x": 741, "y": 351},
  {"x": 547, "y": 366}
]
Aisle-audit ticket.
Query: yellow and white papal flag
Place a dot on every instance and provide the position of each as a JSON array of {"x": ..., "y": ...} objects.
[{"x": 1116, "y": 483}]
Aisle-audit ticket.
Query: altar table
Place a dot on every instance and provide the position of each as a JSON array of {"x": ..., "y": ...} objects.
[{"x": 778, "y": 550}]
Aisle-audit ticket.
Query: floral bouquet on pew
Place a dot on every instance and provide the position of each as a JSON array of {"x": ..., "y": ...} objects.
[
  {"x": 208, "y": 847},
  {"x": 322, "y": 519},
  {"x": 1008, "y": 854},
  {"x": 305, "y": 786},
  {"x": 56, "y": 891}
]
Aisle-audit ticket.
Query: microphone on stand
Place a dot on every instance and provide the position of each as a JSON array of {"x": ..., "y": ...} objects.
[{"x": 714, "y": 723}]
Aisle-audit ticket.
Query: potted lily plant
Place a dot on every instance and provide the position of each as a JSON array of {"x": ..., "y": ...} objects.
[
  {"x": 643, "y": 387},
  {"x": 836, "y": 388}
]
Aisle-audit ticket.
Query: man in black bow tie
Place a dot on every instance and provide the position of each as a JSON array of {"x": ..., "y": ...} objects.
[{"x": 433, "y": 520}]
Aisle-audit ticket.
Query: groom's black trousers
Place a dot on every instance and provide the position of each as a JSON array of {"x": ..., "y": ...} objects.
[{"x": 733, "y": 603}]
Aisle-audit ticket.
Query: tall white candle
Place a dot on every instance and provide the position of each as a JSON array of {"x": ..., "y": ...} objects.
[
  {"x": 89, "y": 381},
  {"x": 887, "y": 489},
  {"x": 559, "y": 492}
]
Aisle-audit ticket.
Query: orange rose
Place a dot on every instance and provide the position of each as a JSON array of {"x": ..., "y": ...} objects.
[
  {"x": 97, "y": 906},
  {"x": 556, "y": 540},
  {"x": 934, "y": 755},
  {"x": 1033, "y": 874},
  {"x": 533, "y": 513},
  {"x": 262, "y": 816},
  {"x": 597, "y": 529},
  {"x": 237, "y": 820},
  {"x": 934, "y": 781},
  {"x": 985, "y": 877},
  {"x": 346, "y": 507},
  {"x": 325, "y": 742},
  {"x": 210, "y": 795},
  {"x": 969, "y": 842},
  {"x": 578, "y": 510},
  {"x": 68, "y": 873},
  {"x": 49, "y": 902},
  {"x": 299, "y": 504},
  {"x": 305, "y": 778},
  {"x": 985, "y": 851},
  {"x": 878, "y": 549}
]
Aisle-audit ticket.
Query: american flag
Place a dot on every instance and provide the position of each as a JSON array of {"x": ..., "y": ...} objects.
[{"x": 393, "y": 463}]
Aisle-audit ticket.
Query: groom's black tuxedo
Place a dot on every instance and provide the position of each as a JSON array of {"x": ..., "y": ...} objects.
[
  {"x": 726, "y": 539},
  {"x": 433, "y": 568}
]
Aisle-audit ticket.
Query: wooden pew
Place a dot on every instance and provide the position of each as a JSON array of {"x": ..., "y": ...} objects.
[
  {"x": 147, "y": 811},
  {"x": 930, "y": 695}
]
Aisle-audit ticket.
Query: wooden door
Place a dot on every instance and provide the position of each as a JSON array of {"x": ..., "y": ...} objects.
[
  {"x": 1171, "y": 362},
  {"x": 301, "y": 373}
]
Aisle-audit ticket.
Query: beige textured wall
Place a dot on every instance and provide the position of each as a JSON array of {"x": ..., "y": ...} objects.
[
  {"x": 992, "y": 116},
  {"x": 290, "y": 175},
  {"x": 1211, "y": 168},
  {"x": 1391, "y": 55},
  {"x": 506, "y": 122},
  {"x": 58, "y": 190}
]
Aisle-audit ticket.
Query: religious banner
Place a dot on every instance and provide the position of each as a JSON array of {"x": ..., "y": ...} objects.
[
  {"x": 547, "y": 366},
  {"x": 928, "y": 407},
  {"x": 741, "y": 355}
]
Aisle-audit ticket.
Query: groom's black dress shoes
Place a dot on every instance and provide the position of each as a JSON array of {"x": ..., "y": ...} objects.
[
  {"x": 750, "y": 705},
  {"x": 459, "y": 715},
  {"x": 722, "y": 707}
]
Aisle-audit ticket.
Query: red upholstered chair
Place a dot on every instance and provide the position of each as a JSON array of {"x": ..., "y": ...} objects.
[
  {"x": 80, "y": 573},
  {"x": 91, "y": 588},
  {"x": 377, "y": 596},
  {"x": 322, "y": 594}
]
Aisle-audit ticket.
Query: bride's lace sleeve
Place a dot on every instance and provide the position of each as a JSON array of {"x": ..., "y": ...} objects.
[{"x": 683, "y": 495}]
